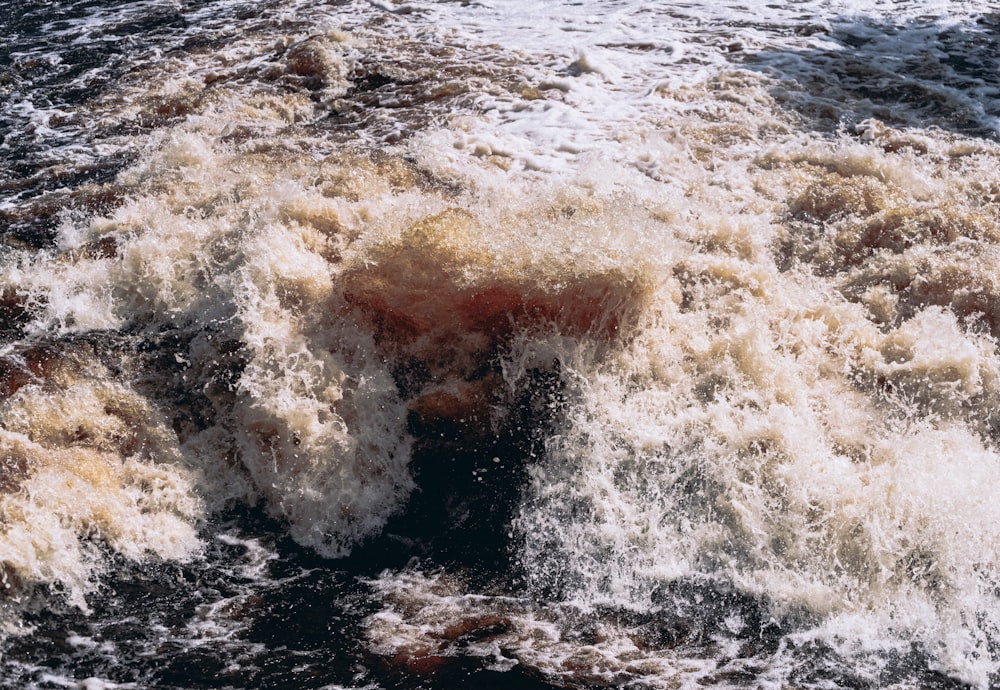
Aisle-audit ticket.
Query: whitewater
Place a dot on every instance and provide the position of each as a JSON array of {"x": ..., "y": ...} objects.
[{"x": 499, "y": 344}]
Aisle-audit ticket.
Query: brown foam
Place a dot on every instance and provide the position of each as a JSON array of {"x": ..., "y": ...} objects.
[
  {"x": 426, "y": 312},
  {"x": 35, "y": 364}
]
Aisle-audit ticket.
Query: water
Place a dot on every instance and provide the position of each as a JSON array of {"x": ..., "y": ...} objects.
[{"x": 434, "y": 344}]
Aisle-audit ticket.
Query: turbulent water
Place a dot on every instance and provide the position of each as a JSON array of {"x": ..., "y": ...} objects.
[{"x": 499, "y": 344}]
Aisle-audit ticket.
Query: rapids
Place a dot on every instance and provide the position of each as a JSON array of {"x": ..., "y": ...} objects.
[{"x": 425, "y": 344}]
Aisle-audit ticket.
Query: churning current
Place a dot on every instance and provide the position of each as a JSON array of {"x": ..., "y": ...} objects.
[{"x": 500, "y": 344}]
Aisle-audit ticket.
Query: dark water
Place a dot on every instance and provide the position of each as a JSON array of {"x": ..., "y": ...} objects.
[
  {"x": 294, "y": 620},
  {"x": 56, "y": 58},
  {"x": 259, "y": 611}
]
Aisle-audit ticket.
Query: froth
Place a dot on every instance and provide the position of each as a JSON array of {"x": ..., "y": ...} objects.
[
  {"x": 827, "y": 447},
  {"x": 88, "y": 462}
]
